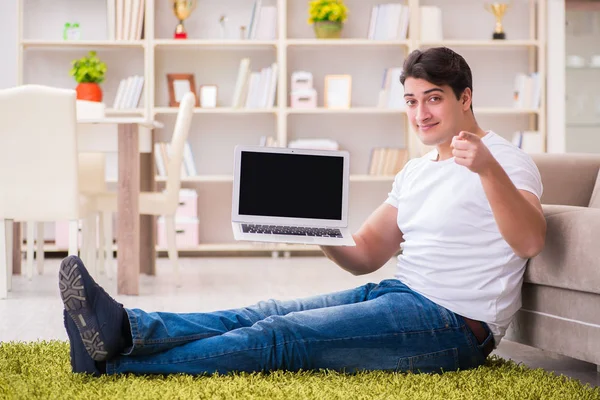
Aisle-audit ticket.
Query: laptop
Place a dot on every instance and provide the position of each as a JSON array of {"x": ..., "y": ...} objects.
[{"x": 283, "y": 195}]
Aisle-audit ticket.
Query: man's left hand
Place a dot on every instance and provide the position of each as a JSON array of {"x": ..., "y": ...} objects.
[{"x": 469, "y": 150}]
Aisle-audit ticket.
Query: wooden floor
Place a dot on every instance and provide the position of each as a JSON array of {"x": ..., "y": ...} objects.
[{"x": 34, "y": 309}]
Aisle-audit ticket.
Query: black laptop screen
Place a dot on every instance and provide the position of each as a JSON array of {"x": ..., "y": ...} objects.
[{"x": 291, "y": 185}]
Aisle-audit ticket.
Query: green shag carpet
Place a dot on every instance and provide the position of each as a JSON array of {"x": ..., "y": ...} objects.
[{"x": 41, "y": 370}]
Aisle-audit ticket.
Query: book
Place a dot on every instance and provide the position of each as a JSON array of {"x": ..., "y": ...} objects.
[
  {"x": 241, "y": 83},
  {"x": 188, "y": 159},
  {"x": 110, "y": 19},
  {"x": 387, "y": 161}
]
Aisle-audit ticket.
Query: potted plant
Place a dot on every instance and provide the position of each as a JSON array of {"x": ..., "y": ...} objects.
[
  {"x": 328, "y": 17},
  {"x": 88, "y": 72}
]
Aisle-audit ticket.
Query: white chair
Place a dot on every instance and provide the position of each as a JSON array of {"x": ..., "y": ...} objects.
[
  {"x": 157, "y": 203},
  {"x": 92, "y": 181},
  {"x": 38, "y": 167}
]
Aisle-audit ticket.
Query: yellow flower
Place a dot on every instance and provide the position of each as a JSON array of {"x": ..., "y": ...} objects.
[{"x": 327, "y": 10}]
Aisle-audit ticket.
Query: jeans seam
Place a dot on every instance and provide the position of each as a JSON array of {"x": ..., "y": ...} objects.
[
  {"x": 411, "y": 359},
  {"x": 443, "y": 313},
  {"x": 123, "y": 362},
  {"x": 177, "y": 339}
]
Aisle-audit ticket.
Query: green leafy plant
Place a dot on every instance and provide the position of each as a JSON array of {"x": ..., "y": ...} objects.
[
  {"x": 327, "y": 10},
  {"x": 88, "y": 69}
]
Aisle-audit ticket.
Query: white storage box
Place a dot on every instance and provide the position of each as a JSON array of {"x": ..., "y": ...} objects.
[
  {"x": 301, "y": 80},
  {"x": 188, "y": 204},
  {"x": 186, "y": 233},
  {"x": 304, "y": 99}
]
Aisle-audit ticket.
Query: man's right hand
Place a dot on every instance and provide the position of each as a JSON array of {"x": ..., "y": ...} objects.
[{"x": 377, "y": 241}]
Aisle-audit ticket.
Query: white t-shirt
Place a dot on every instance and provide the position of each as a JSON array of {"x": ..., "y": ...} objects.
[{"x": 453, "y": 252}]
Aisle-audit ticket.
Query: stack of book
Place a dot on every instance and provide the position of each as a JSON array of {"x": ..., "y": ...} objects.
[
  {"x": 389, "y": 22},
  {"x": 255, "y": 89},
  {"x": 263, "y": 22},
  {"x": 391, "y": 94},
  {"x": 129, "y": 92},
  {"x": 161, "y": 158},
  {"x": 125, "y": 19},
  {"x": 387, "y": 160},
  {"x": 527, "y": 91}
]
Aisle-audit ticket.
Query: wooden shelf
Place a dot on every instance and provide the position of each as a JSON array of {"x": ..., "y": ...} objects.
[
  {"x": 66, "y": 44},
  {"x": 218, "y": 110},
  {"x": 504, "y": 111},
  {"x": 216, "y": 43},
  {"x": 124, "y": 111},
  {"x": 376, "y": 110},
  {"x": 482, "y": 43},
  {"x": 351, "y": 110},
  {"x": 201, "y": 178},
  {"x": 345, "y": 42}
]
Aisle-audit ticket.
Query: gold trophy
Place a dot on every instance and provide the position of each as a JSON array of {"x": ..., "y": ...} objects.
[
  {"x": 182, "y": 9},
  {"x": 498, "y": 9}
]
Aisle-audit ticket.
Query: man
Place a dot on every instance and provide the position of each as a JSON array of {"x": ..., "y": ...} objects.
[{"x": 467, "y": 216}]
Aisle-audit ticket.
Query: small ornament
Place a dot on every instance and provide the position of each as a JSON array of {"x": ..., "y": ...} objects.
[
  {"x": 223, "y": 22},
  {"x": 72, "y": 31}
]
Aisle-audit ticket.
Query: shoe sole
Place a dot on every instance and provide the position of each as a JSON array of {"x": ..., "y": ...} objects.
[{"x": 77, "y": 306}]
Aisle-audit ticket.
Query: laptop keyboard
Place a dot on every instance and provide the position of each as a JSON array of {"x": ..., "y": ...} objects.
[{"x": 291, "y": 230}]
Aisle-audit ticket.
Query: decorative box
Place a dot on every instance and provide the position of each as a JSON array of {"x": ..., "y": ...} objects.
[
  {"x": 304, "y": 99},
  {"x": 301, "y": 80},
  {"x": 188, "y": 204}
]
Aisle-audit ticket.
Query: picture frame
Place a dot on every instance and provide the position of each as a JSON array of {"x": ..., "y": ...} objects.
[
  {"x": 338, "y": 91},
  {"x": 208, "y": 96},
  {"x": 180, "y": 84}
]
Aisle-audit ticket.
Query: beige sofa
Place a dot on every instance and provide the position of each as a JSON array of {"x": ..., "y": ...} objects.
[{"x": 561, "y": 290}]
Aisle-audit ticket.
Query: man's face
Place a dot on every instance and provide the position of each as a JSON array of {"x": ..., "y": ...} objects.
[{"x": 433, "y": 111}]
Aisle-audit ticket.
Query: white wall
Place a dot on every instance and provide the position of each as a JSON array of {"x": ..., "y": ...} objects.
[{"x": 8, "y": 43}]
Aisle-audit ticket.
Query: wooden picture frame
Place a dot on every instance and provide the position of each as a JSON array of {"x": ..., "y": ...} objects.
[
  {"x": 338, "y": 91},
  {"x": 208, "y": 95},
  {"x": 180, "y": 84}
]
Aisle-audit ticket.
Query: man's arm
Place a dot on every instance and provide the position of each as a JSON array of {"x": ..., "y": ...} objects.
[
  {"x": 377, "y": 241},
  {"x": 518, "y": 213}
]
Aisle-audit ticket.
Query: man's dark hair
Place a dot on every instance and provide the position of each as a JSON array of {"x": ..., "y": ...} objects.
[{"x": 440, "y": 66}]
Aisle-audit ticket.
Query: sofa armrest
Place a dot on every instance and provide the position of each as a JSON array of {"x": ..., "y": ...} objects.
[{"x": 571, "y": 256}]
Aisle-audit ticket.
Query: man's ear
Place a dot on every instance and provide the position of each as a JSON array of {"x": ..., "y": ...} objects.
[{"x": 466, "y": 99}]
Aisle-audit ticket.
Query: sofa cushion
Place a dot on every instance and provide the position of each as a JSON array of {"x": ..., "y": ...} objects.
[{"x": 571, "y": 256}]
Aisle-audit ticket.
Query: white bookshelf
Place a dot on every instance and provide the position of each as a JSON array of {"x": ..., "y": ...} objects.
[{"x": 44, "y": 58}]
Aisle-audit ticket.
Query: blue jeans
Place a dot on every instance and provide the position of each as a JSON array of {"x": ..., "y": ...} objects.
[{"x": 383, "y": 326}]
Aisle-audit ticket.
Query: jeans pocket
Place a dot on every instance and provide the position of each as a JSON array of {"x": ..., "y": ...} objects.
[{"x": 439, "y": 361}]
